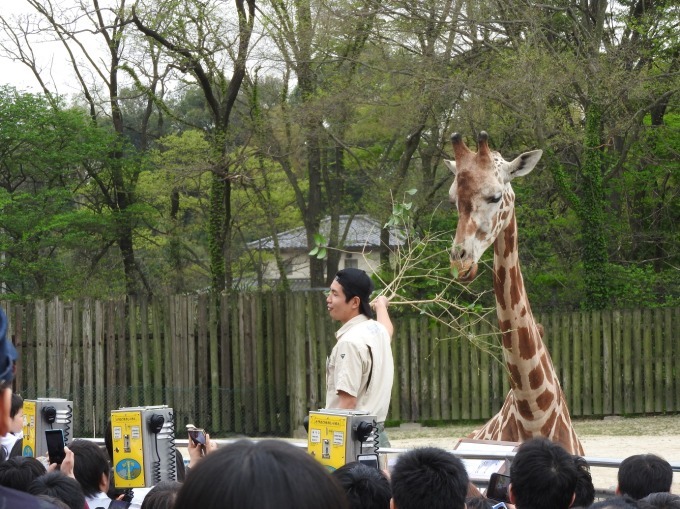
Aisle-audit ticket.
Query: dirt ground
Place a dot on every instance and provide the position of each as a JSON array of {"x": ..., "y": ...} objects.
[{"x": 615, "y": 438}]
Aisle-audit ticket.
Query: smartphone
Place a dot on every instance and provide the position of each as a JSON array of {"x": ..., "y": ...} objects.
[
  {"x": 370, "y": 460},
  {"x": 498, "y": 487},
  {"x": 197, "y": 435},
  {"x": 55, "y": 445},
  {"x": 119, "y": 504}
]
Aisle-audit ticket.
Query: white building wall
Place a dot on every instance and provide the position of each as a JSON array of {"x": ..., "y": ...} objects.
[{"x": 299, "y": 264}]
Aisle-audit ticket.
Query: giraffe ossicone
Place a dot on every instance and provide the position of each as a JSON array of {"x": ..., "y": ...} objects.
[{"x": 483, "y": 196}]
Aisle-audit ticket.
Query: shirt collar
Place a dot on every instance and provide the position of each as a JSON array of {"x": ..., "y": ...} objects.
[{"x": 351, "y": 323}]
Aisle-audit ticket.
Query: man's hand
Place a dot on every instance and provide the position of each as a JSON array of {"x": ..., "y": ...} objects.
[
  {"x": 380, "y": 305},
  {"x": 197, "y": 451},
  {"x": 66, "y": 466},
  {"x": 380, "y": 302}
]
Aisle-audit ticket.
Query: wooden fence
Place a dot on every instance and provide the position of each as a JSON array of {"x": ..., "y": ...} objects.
[{"x": 255, "y": 363}]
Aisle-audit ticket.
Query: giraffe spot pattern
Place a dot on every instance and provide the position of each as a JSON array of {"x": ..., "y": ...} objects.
[
  {"x": 545, "y": 400},
  {"x": 509, "y": 431},
  {"x": 464, "y": 184},
  {"x": 527, "y": 345},
  {"x": 516, "y": 286},
  {"x": 548, "y": 428},
  {"x": 509, "y": 239},
  {"x": 536, "y": 377},
  {"x": 515, "y": 376},
  {"x": 507, "y": 339},
  {"x": 524, "y": 409}
]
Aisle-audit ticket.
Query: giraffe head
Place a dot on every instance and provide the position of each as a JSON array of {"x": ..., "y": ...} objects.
[{"x": 482, "y": 194}]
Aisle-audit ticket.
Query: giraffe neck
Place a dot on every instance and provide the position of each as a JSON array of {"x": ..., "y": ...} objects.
[
  {"x": 512, "y": 303},
  {"x": 532, "y": 374}
]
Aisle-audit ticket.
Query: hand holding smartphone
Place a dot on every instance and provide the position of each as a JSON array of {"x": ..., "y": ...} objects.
[{"x": 55, "y": 445}]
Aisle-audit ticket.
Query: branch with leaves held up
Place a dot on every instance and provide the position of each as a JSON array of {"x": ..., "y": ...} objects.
[{"x": 419, "y": 279}]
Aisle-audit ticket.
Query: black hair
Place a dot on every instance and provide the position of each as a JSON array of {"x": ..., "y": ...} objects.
[
  {"x": 661, "y": 500},
  {"x": 543, "y": 474},
  {"x": 585, "y": 490},
  {"x": 366, "y": 487},
  {"x": 260, "y": 475},
  {"x": 478, "y": 503},
  {"x": 429, "y": 477},
  {"x": 19, "y": 472},
  {"x": 624, "y": 502},
  {"x": 57, "y": 485},
  {"x": 90, "y": 462},
  {"x": 56, "y": 503},
  {"x": 17, "y": 404},
  {"x": 162, "y": 496},
  {"x": 642, "y": 474}
]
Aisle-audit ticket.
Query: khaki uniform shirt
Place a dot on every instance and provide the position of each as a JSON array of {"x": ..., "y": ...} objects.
[{"x": 361, "y": 365}]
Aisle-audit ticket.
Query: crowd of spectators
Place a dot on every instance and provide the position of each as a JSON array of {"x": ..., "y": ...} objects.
[{"x": 274, "y": 474}]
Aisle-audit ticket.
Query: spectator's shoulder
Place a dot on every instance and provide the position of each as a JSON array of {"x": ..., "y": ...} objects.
[{"x": 14, "y": 498}]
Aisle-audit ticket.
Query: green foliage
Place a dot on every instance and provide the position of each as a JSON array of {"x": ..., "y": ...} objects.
[
  {"x": 52, "y": 227},
  {"x": 592, "y": 215},
  {"x": 400, "y": 212},
  {"x": 320, "y": 249}
]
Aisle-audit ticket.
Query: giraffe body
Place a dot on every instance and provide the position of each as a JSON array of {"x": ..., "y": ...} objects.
[{"x": 481, "y": 191}]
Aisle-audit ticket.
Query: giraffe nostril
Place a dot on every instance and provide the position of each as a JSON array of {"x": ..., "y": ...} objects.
[{"x": 457, "y": 254}]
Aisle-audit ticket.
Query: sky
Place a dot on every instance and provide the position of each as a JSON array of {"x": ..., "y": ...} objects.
[{"x": 49, "y": 56}]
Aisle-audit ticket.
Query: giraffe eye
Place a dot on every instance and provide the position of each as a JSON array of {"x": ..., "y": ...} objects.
[{"x": 495, "y": 198}]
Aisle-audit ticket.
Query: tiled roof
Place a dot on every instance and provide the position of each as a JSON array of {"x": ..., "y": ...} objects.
[{"x": 364, "y": 231}]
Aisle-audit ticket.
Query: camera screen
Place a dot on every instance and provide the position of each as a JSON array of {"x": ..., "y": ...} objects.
[
  {"x": 198, "y": 436},
  {"x": 55, "y": 445},
  {"x": 368, "y": 459},
  {"x": 498, "y": 487}
]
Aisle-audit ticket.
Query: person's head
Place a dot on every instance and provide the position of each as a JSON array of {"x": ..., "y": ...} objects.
[
  {"x": 90, "y": 467},
  {"x": 662, "y": 500},
  {"x": 350, "y": 295},
  {"x": 56, "y": 503},
  {"x": 616, "y": 503},
  {"x": 162, "y": 496},
  {"x": 585, "y": 490},
  {"x": 429, "y": 477},
  {"x": 57, "y": 485},
  {"x": 8, "y": 357},
  {"x": 642, "y": 474},
  {"x": 478, "y": 502},
  {"x": 19, "y": 472},
  {"x": 260, "y": 475},
  {"x": 542, "y": 474},
  {"x": 16, "y": 414},
  {"x": 366, "y": 487}
]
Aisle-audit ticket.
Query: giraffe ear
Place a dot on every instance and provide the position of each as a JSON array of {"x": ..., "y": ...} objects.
[
  {"x": 451, "y": 165},
  {"x": 522, "y": 164}
]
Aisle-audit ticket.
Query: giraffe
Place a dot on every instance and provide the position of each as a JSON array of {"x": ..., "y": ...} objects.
[{"x": 483, "y": 196}]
